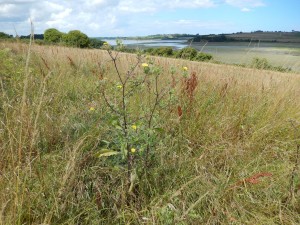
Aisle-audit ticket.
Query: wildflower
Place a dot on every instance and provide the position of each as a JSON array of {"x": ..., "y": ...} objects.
[
  {"x": 134, "y": 127},
  {"x": 146, "y": 68},
  {"x": 184, "y": 68},
  {"x": 133, "y": 150},
  {"x": 119, "y": 86},
  {"x": 92, "y": 109}
]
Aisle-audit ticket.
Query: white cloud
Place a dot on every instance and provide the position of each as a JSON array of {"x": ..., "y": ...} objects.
[
  {"x": 156, "y": 5},
  {"x": 191, "y": 4},
  {"x": 245, "y": 9},
  {"x": 107, "y": 17},
  {"x": 54, "y": 6},
  {"x": 6, "y": 9},
  {"x": 61, "y": 15},
  {"x": 245, "y": 5},
  {"x": 102, "y": 3}
]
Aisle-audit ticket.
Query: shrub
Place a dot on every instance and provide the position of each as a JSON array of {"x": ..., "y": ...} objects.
[
  {"x": 95, "y": 43},
  {"x": 281, "y": 69},
  {"x": 53, "y": 35},
  {"x": 76, "y": 38},
  {"x": 262, "y": 63},
  {"x": 203, "y": 57},
  {"x": 161, "y": 51},
  {"x": 149, "y": 51},
  {"x": 164, "y": 51},
  {"x": 187, "y": 53}
]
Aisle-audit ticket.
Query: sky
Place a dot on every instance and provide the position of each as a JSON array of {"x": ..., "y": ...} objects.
[{"x": 107, "y": 18}]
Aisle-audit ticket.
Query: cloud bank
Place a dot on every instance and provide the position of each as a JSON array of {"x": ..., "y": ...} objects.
[{"x": 109, "y": 17}]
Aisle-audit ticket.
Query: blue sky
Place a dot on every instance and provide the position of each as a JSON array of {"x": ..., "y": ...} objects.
[{"x": 145, "y": 17}]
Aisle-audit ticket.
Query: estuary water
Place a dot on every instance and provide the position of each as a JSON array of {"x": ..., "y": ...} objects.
[
  {"x": 176, "y": 44},
  {"x": 278, "y": 54}
]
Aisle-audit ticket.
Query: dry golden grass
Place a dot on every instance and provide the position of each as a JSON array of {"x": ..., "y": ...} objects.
[{"x": 228, "y": 160}]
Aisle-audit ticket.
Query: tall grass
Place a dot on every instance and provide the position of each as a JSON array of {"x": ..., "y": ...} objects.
[{"x": 227, "y": 158}]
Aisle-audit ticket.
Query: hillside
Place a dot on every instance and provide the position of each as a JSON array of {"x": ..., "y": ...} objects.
[
  {"x": 99, "y": 137},
  {"x": 281, "y": 37}
]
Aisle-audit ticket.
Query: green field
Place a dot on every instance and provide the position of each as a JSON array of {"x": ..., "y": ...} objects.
[{"x": 92, "y": 136}]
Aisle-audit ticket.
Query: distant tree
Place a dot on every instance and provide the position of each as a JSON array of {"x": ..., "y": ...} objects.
[
  {"x": 4, "y": 35},
  {"x": 211, "y": 38},
  {"x": 53, "y": 35},
  {"x": 76, "y": 38},
  {"x": 35, "y": 36}
]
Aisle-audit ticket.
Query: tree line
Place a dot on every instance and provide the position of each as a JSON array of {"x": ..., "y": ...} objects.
[{"x": 74, "y": 38}]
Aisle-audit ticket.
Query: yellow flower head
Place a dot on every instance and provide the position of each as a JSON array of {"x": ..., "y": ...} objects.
[
  {"x": 145, "y": 65},
  {"x": 134, "y": 127},
  {"x": 133, "y": 150},
  {"x": 92, "y": 109},
  {"x": 184, "y": 68},
  {"x": 119, "y": 86}
]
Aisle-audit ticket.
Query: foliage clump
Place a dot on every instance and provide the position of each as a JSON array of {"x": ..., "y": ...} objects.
[
  {"x": 53, "y": 35},
  {"x": 5, "y": 35},
  {"x": 76, "y": 38},
  {"x": 95, "y": 43},
  {"x": 263, "y": 63},
  {"x": 201, "y": 56},
  {"x": 161, "y": 51},
  {"x": 187, "y": 53}
]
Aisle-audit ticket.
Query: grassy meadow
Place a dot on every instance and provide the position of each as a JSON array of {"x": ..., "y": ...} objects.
[{"x": 86, "y": 138}]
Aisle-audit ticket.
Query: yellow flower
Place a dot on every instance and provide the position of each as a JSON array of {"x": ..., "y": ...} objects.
[
  {"x": 119, "y": 86},
  {"x": 133, "y": 150},
  {"x": 145, "y": 65},
  {"x": 134, "y": 127},
  {"x": 92, "y": 109},
  {"x": 184, "y": 68}
]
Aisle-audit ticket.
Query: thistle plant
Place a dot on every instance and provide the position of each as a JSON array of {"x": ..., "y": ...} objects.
[{"x": 138, "y": 98}]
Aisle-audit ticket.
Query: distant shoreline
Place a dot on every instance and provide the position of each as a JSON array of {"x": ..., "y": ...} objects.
[{"x": 258, "y": 36}]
